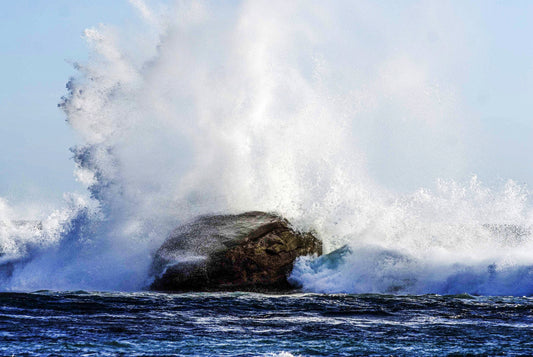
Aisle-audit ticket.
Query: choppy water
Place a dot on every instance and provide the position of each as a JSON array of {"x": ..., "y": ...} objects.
[{"x": 246, "y": 324}]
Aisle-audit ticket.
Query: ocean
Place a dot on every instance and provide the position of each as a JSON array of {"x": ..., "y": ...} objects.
[
  {"x": 366, "y": 123},
  {"x": 250, "y": 324}
]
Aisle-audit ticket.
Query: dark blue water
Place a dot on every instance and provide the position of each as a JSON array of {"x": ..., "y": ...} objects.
[{"x": 246, "y": 324}]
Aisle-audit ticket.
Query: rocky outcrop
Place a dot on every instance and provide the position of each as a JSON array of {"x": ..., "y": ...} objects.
[{"x": 253, "y": 251}]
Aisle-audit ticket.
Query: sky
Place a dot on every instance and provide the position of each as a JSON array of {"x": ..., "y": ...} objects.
[
  {"x": 40, "y": 39},
  {"x": 499, "y": 89},
  {"x": 39, "y": 42}
]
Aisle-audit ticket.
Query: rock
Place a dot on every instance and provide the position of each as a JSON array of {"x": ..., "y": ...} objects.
[{"x": 253, "y": 251}]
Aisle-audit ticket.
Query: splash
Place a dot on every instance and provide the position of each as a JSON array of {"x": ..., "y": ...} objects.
[
  {"x": 307, "y": 110},
  {"x": 434, "y": 243}
]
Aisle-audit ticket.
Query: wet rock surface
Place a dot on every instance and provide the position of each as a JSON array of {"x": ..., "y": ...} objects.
[{"x": 253, "y": 251}]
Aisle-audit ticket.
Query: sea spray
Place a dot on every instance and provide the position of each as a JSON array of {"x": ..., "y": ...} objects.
[
  {"x": 435, "y": 243},
  {"x": 290, "y": 108}
]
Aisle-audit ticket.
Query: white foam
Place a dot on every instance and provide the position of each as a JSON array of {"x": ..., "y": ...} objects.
[{"x": 280, "y": 107}]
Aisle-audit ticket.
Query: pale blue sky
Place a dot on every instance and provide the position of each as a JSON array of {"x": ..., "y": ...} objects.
[
  {"x": 500, "y": 87},
  {"x": 38, "y": 38}
]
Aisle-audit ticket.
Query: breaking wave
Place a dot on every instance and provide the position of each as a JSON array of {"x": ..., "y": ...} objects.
[{"x": 307, "y": 110}]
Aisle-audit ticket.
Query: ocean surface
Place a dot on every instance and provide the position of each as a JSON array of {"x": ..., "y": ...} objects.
[
  {"x": 355, "y": 120},
  {"x": 249, "y": 324}
]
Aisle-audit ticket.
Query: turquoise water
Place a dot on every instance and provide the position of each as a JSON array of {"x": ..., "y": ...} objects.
[{"x": 248, "y": 324}]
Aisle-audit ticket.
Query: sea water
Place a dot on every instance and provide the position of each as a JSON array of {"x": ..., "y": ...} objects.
[
  {"x": 248, "y": 324},
  {"x": 342, "y": 117}
]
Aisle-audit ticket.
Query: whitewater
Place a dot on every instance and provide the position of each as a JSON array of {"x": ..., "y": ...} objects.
[{"x": 208, "y": 108}]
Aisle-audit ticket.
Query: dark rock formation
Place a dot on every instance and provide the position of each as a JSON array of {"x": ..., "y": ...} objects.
[{"x": 253, "y": 251}]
